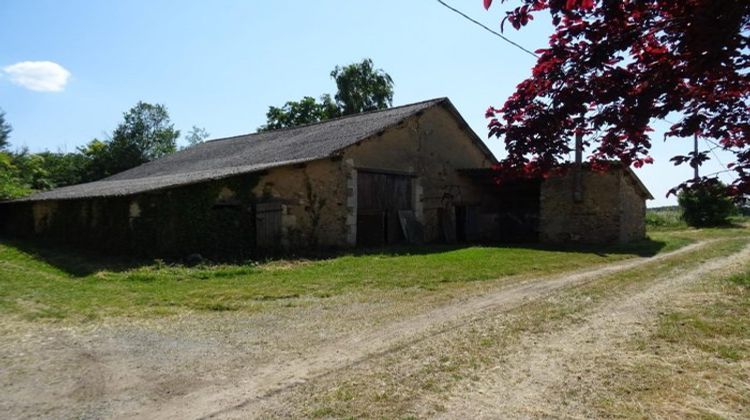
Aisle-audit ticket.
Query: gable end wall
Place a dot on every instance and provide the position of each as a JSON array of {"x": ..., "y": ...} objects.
[
  {"x": 632, "y": 211},
  {"x": 432, "y": 147},
  {"x": 596, "y": 219}
]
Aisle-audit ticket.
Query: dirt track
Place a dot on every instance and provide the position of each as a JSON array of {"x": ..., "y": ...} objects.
[
  {"x": 230, "y": 367},
  {"x": 537, "y": 380}
]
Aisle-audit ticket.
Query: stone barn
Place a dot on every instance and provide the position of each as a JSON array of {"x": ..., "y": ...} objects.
[
  {"x": 569, "y": 206},
  {"x": 415, "y": 173},
  {"x": 609, "y": 207}
]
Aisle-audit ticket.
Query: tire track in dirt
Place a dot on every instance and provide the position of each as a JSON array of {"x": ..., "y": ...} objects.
[
  {"x": 537, "y": 380},
  {"x": 268, "y": 380}
]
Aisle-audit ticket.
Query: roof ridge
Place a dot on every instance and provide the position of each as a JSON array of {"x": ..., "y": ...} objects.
[{"x": 330, "y": 120}]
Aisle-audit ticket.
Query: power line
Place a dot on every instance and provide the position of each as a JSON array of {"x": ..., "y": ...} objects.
[
  {"x": 716, "y": 155},
  {"x": 533, "y": 54},
  {"x": 503, "y": 37}
]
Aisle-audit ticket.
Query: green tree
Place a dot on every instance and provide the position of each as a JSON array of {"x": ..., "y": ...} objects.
[
  {"x": 196, "y": 135},
  {"x": 31, "y": 171},
  {"x": 706, "y": 204},
  {"x": 22, "y": 173},
  {"x": 146, "y": 133},
  {"x": 11, "y": 184},
  {"x": 296, "y": 113},
  {"x": 63, "y": 169},
  {"x": 5, "y": 130},
  {"x": 98, "y": 158},
  {"x": 361, "y": 88}
]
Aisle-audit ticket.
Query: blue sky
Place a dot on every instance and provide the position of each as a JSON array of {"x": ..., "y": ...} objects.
[{"x": 220, "y": 64}]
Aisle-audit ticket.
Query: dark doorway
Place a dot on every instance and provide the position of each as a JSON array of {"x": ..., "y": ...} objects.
[
  {"x": 467, "y": 223},
  {"x": 268, "y": 225},
  {"x": 461, "y": 223},
  {"x": 380, "y": 196}
]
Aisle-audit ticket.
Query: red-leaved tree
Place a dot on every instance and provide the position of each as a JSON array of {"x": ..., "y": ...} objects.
[{"x": 613, "y": 66}]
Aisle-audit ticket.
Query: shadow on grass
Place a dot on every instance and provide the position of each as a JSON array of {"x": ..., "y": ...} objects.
[
  {"x": 74, "y": 261},
  {"x": 643, "y": 248},
  {"x": 734, "y": 223},
  {"x": 81, "y": 263}
]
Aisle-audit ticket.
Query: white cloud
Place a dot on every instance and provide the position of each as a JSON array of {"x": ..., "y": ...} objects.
[{"x": 40, "y": 76}]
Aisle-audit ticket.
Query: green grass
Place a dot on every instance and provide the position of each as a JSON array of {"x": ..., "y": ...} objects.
[
  {"x": 670, "y": 218},
  {"x": 741, "y": 280},
  {"x": 719, "y": 327},
  {"x": 695, "y": 362},
  {"x": 428, "y": 372},
  {"x": 48, "y": 283}
]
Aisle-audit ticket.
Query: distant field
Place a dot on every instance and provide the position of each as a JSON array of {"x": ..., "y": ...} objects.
[
  {"x": 47, "y": 283},
  {"x": 670, "y": 218},
  {"x": 665, "y": 218}
]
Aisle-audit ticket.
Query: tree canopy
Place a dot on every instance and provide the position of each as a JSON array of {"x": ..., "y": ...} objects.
[
  {"x": 360, "y": 86},
  {"x": 305, "y": 111},
  {"x": 146, "y": 133},
  {"x": 613, "y": 66},
  {"x": 706, "y": 204},
  {"x": 196, "y": 135},
  {"x": 11, "y": 185},
  {"x": 5, "y": 130}
]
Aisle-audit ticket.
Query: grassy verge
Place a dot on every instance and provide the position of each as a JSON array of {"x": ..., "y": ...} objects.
[
  {"x": 47, "y": 283},
  {"x": 697, "y": 360}
]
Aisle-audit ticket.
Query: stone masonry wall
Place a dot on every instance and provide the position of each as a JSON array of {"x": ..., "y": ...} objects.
[
  {"x": 314, "y": 197},
  {"x": 596, "y": 219},
  {"x": 432, "y": 147},
  {"x": 632, "y": 211}
]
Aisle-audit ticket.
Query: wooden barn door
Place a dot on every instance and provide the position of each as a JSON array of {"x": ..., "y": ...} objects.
[
  {"x": 380, "y": 196},
  {"x": 268, "y": 225}
]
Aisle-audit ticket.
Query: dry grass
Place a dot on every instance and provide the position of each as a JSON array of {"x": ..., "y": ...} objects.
[
  {"x": 696, "y": 361},
  {"x": 415, "y": 380}
]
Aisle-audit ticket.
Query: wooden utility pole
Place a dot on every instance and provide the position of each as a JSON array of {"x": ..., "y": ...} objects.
[
  {"x": 696, "y": 176},
  {"x": 578, "y": 165}
]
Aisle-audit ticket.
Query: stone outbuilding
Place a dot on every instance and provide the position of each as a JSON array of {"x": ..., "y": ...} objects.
[
  {"x": 610, "y": 206},
  {"x": 404, "y": 174}
]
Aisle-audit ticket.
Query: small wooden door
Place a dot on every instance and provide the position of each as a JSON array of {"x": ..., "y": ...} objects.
[{"x": 268, "y": 225}]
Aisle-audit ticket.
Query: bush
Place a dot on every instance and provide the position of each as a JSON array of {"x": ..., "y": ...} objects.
[{"x": 706, "y": 204}]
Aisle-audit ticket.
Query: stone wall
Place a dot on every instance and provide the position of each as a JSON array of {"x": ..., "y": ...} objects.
[
  {"x": 632, "y": 210},
  {"x": 212, "y": 218},
  {"x": 431, "y": 147},
  {"x": 612, "y": 208},
  {"x": 314, "y": 202}
]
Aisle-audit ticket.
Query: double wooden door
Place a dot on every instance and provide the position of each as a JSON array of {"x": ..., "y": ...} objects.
[{"x": 380, "y": 196}]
